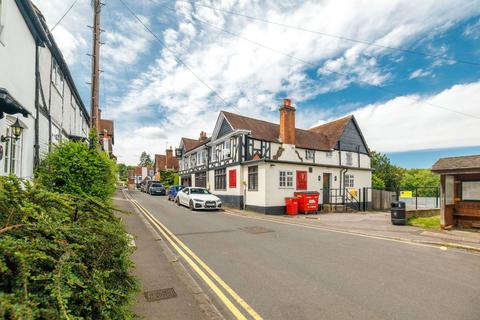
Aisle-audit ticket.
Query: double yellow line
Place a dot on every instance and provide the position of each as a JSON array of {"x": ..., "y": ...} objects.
[{"x": 203, "y": 270}]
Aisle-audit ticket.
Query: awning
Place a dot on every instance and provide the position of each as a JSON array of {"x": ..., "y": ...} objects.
[{"x": 9, "y": 105}]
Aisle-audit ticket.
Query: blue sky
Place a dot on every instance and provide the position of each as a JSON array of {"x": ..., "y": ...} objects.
[{"x": 412, "y": 107}]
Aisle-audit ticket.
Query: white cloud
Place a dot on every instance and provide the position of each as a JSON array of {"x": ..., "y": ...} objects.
[
  {"x": 249, "y": 77},
  {"x": 413, "y": 123},
  {"x": 419, "y": 73}
]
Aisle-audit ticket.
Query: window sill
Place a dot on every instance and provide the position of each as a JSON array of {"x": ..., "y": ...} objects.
[
  {"x": 286, "y": 188},
  {"x": 252, "y": 189}
]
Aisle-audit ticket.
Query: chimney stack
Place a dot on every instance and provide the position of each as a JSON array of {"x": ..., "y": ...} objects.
[
  {"x": 287, "y": 122},
  {"x": 169, "y": 158},
  {"x": 203, "y": 136}
]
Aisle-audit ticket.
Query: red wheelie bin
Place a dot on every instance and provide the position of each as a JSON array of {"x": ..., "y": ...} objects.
[
  {"x": 307, "y": 201},
  {"x": 291, "y": 204}
]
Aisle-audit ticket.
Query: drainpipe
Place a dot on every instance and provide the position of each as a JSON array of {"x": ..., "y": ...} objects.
[{"x": 36, "y": 159}]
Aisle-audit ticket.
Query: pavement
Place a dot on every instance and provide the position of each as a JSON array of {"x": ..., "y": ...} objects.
[
  {"x": 308, "y": 268},
  {"x": 379, "y": 224},
  {"x": 157, "y": 267}
]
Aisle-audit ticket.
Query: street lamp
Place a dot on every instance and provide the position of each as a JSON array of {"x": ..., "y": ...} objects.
[{"x": 16, "y": 132}]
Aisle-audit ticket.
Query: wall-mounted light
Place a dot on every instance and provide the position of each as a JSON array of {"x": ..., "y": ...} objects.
[{"x": 16, "y": 132}]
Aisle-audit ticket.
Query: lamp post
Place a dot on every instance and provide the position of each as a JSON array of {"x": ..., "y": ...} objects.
[{"x": 15, "y": 134}]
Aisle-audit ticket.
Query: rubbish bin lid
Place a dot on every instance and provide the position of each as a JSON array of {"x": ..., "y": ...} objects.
[
  {"x": 398, "y": 204},
  {"x": 306, "y": 192}
]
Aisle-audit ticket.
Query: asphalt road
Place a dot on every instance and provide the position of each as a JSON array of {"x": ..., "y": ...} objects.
[{"x": 292, "y": 272}]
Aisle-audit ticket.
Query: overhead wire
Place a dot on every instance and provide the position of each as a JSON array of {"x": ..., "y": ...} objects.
[
  {"x": 340, "y": 37},
  {"x": 416, "y": 100},
  {"x": 63, "y": 16},
  {"x": 178, "y": 59}
]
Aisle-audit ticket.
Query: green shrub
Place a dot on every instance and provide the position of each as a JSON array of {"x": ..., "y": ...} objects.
[
  {"x": 75, "y": 168},
  {"x": 61, "y": 256}
]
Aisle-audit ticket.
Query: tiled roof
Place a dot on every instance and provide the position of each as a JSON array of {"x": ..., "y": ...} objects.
[
  {"x": 160, "y": 162},
  {"x": 456, "y": 163},
  {"x": 333, "y": 130},
  {"x": 323, "y": 137},
  {"x": 191, "y": 144},
  {"x": 105, "y": 124}
]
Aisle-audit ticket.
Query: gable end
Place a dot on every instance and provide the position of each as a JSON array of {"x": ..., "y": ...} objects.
[{"x": 352, "y": 139}]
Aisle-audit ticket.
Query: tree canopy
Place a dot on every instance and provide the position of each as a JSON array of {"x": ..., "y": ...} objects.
[
  {"x": 391, "y": 177},
  {"x": 145, "y": 160}
]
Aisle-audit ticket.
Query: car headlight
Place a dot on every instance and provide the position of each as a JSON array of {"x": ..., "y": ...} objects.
[{"x": 198, "y": 200}]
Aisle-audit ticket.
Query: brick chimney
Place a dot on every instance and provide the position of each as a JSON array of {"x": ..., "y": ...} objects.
[
  {"x": 169, "y": 160},
  {"x": 203, "y": 136},
  {"x": 287, "y": 122}
]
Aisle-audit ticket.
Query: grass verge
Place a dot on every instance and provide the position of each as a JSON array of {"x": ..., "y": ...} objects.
[{"x": 425, "y": 222}]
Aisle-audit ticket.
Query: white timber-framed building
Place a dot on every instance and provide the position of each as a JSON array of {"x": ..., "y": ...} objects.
[
  {"x": 255, "y": 164},
  {"x": 37, "y": 88}
]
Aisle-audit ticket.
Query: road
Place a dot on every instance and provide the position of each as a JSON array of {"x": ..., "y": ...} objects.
[{"x": 291, "y": 272}]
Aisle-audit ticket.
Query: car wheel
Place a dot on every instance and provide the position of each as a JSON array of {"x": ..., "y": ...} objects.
[
  {"x": 190, "y": 205},
  {"x": 177, "y": 201}
]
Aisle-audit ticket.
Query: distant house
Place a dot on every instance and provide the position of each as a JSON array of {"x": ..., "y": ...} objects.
[
  {"x": 460, "y": 191},
  {"x": 106, "y": 134},
  {"x": 255, "y": 164},
  {"x": 166, "y": 162}
]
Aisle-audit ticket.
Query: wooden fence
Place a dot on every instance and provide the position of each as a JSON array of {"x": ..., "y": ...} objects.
[{"x": 381, "y": 199}]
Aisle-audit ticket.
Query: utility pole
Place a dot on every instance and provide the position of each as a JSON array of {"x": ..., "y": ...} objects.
[{"x": 94, "y": 102}]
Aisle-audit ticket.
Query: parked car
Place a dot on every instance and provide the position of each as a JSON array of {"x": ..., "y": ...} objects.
[
  {"x": 172, "y": 192},
  {"x": 149, "y": 184},
  {"x": 156, "y": 188},
  {"x": 198, "y": 198},
  {"x": 143, "y": 186}
]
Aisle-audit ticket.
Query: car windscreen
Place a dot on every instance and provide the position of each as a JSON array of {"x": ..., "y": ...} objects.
[
  {"x": 157, "y": 185},
  {"x": 199, "y": 191}
]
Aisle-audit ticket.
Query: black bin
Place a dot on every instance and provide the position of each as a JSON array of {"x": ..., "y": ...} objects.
[{"x": 398, "y": 213}]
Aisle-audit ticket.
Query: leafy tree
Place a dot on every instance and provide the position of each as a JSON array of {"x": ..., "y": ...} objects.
[
  {"x": 61, "y": 256},
  {"x": 385, "y": 171},
  {"x": 75, "y": 168},
  {"x": 169, "y": 178},
  {"x": 122, "y": 170},
  {"x": 377, "y": 183},
  {"x": 423, "y": 180},
  {"x": 145, "y": 160}
]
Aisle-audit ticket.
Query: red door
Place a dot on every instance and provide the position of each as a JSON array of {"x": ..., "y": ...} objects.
[
  {"x": 301, "y": 180},
  {"x": 232, "y": 178}
]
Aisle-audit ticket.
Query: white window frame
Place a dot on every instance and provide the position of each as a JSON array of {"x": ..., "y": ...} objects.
[
  {"x": 3, "y": 5},
  {"x": 193, "y": 160},
  {"x": 57, "y": 77},
  {"x": 349, "y": 159},
  {"x": 349, "y": 181},
  {"x": 285, "y": 179},
  {"x": 227, "y": 147},
  {"x": 309, "y": 154}
]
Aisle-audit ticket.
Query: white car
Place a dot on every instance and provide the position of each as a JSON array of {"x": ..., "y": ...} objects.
[{"x": 197, "y": 198}]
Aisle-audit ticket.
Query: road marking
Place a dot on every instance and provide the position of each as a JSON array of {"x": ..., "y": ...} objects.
[
  {"x": 171, "y": 238},
  {"x": 358, "y": 234}
]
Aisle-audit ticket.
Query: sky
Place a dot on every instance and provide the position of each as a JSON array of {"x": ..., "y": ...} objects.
[{"x": 415, "y": 92}]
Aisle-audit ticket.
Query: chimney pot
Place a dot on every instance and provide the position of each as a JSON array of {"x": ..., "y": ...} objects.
[
  {"x": 287, "y": 122},
  {"x": 203, "y": 136}
]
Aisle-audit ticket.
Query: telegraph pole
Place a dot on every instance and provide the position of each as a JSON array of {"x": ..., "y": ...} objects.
[{"x": 94, "y": 102}]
